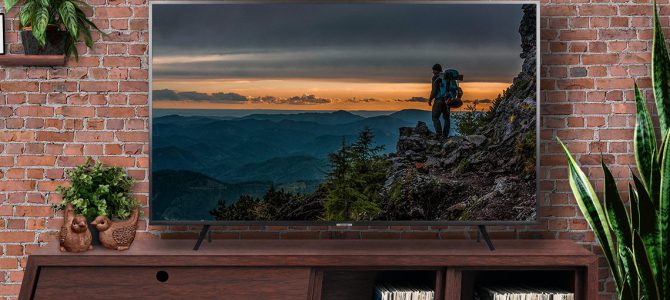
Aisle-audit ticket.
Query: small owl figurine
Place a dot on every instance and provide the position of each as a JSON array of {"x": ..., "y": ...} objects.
[
  {"x": 74, "y": 235},
  {"x": 117, "y": 235}
]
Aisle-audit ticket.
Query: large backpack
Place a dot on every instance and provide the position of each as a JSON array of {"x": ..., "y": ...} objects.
[
  {"x": 449, "y": 87},
  {"x": 451, "y": 77}
]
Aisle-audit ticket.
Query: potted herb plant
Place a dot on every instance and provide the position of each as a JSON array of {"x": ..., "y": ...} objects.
[
  {"x": 96, "y": 190},
  {"x": 635, "y": 236},
  {"x": 53, "y": 26}
]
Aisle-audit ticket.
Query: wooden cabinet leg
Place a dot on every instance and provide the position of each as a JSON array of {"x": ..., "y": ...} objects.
[{"x": 452, "y": 286}]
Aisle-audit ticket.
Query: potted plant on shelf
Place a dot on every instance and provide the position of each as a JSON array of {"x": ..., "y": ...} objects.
[
  {"x": 636, "y": 240},
  {"x": 96, "y": 190},
  {"x": 53, "y": 26}
]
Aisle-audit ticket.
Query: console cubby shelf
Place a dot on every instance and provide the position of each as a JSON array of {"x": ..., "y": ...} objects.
[
  {"x": 305, "y": 269},
  {"x": 11, "y": 60}
]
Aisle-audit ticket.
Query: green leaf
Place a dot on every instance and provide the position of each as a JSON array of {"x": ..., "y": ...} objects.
[
  {"x": 588, "y": 203},
  {"x": 648, "y": 228},
  {"x": 40, "y": 22},
  {"x": 644, "y": 269},
  {"x": 619, "y": 222},
  {"x": 660, "y": 73},
  {"x": 68, "y": 15},
  {"x": 627, "y": 291},
  {"x": 634, "y": 213},
  {"x": 663, "y": 215},
  {"x": 93, "y": 189},
  {"x": 27, "y": 13},
  {"x": 645, "y": 139},
  {"x": 71, "y": 49},
  {"x": 9, "y": 4}
]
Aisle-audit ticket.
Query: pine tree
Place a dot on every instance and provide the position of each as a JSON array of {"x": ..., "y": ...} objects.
[{"x": 354, "y": 184}]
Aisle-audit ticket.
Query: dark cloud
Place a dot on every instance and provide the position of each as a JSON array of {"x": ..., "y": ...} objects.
[
  {"x": 170, "y": 95},
  {"x": 361, "y": 100},
  {"x": 361, "y": 42},
  {"x": 414, "y": 99},
  {"x": 304, "y": 99}
]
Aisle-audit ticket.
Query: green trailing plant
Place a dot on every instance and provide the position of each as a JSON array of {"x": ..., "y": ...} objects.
[
  {"x": 635, "y": 238},
  {"x": 96, "y": 190},
  {"x": 67, "y": 15}
]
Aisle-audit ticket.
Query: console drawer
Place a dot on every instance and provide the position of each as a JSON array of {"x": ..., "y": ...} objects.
[{"x": 172, "y": 283}]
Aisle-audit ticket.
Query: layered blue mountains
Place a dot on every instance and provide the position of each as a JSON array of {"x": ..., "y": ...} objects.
[{"x": 201, "y": 157}]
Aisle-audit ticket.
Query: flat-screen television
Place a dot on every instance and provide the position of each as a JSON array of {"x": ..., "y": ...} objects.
[{"x": 370, "y": 112}]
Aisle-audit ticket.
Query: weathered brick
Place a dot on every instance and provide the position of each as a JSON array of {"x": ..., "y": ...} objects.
[
  {"x": 34, "y": 211},
  {"x": 600, "y": 59},
  {"x": 17, "y": 237},
  {"x": 116, "y": 112},
  {"x": 77, "y": 111},
  {"x": 113, "y": 12},
  {"x": 94, "y": 136},
  {"x": 34, "y": 160},
  {"x": 54, "y": 136},
  {"x": 99, "y": 86},
  {"x": 132, "y": 136},
  {"x": 16, "y": 185},
  {"x": 120, "y": 61},
  {"x": 34, "y": 111},
  {"x": 16, "y": 136},
  {"x": 614, "y": 83},
  {"x": 19, "y": 86}
]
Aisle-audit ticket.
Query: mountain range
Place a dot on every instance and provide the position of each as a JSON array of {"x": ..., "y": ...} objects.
[{"x": 221, "y": 158}]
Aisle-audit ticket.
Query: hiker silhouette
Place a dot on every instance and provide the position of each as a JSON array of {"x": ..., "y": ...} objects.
[{"x": 438, "y": 101}]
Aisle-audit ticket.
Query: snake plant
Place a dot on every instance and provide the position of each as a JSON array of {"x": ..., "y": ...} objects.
[
  {"x": 65, "y": 14},
  {"x": 635, "y": 237}
]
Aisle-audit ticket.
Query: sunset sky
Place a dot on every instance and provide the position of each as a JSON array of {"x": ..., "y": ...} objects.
[{"x": 328, "y": 56}]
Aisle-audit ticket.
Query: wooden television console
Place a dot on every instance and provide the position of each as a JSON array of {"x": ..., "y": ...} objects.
[{"x": 304, "y": 269}]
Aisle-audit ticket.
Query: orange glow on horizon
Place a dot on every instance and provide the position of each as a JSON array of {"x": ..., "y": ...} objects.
[{"x": 385, "y": 95}]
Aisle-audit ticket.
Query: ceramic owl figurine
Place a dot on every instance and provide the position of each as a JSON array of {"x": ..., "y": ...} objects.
[
  {"x": 117, "y": 235},
  {"x": 74, "y": 235}
]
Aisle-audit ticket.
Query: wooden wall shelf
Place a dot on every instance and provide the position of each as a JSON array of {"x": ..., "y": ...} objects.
[
  {"x": 304, "y": 269},
  {"x": 32, "y": 60}
]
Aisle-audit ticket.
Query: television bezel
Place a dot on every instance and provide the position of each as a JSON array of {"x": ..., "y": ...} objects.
[{"x": 350, "y": 224}]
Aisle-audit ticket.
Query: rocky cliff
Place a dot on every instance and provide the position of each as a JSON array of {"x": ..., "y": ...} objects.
[{"x": 486, "y": 176}]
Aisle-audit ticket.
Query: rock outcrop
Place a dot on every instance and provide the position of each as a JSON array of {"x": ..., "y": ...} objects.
[{"x": 486, "y": 176}]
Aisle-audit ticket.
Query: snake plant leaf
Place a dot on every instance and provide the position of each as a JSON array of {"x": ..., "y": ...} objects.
[
  {"x": 664, "y": 214},
  {"x": 619, "y": 221},
  {"x": 635, "y": 221},
  {"x": 588, "y": 202},
  {"x": 644, "y": 138},
  {"x": 634, "y": 214},
  {"x": 627, "y": 290},
  {"x": 9, "y": 4},
  {"x": 648, "y": 228},
  {"x": 40, "y": 22},
  {"x": 648, "y": 284},
  {"x": 660, "y": 74}
]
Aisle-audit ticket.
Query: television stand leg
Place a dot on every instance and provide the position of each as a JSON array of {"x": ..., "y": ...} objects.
[
  {"x": 204, "y": 232},
  {"x": 483, "y": 234}
]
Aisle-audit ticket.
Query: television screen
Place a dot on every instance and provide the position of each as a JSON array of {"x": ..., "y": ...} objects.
[{"x": 370, "y": 112}]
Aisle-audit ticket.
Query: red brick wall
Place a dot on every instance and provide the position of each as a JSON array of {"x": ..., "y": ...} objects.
[{"x": 52, "y": 118}]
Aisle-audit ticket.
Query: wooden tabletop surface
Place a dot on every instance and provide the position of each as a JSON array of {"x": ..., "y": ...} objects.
[{"x": 470, "y": 248}]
